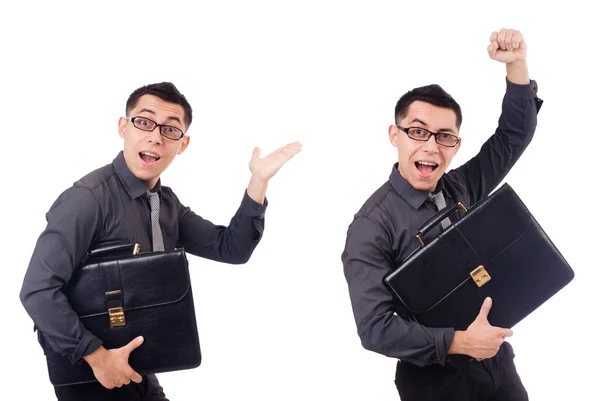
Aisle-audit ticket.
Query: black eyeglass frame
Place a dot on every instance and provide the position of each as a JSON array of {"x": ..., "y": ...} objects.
[
  {"x": 435, "y": 135},
  {"x": 132, "y": 119}
]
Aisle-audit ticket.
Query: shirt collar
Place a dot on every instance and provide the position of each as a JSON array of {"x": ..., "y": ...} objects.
[
  {"x": 415, "y": 197},
  {"x": 134, "y": 186}
]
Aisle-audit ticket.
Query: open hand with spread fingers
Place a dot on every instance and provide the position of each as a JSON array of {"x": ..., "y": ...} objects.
[
  {"x": 507, "y": 46},
  {"x": 263, "y": 168}
]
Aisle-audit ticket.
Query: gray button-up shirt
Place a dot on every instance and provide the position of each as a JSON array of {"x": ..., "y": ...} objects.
[
  {"x": 107, "y": 205},
  {"x": 382, "y": 233}
]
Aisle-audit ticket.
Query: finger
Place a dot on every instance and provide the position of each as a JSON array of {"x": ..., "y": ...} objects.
[
  {"x": 494, "y": 37},
  {"x": 293, "y": 147},
  {"x": 508, "y": 38},
  {"x": 136, "y": 342},
  {"x": 296, "y": 144},
  {"x": 517, "y": 39},
  {"x": 505, "y": 333},
  {"x": 107, "y": 385},
  {"x": 256, "y": 153},
  {"x": 485, "y": 309},
  {"x": 492, "y": 48},
  {"x": 135, "y": 377},
  {"x": 290, "y": 152},
  {"x": 501, "y": 39}
]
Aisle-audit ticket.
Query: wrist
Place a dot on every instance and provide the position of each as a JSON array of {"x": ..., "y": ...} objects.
[
  {"x": 517, "y": 72},
  {"x": 458, "y": 343},
  {"x": 258, "y": 181},
  {"x": 93, "y": 357},
  {"x": 257, "y": 189}
]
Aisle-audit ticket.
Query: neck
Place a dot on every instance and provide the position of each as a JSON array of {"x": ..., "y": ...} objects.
[{"x": 152, "y": 183}]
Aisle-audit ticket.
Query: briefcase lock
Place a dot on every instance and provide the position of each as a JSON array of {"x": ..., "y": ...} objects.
[
  {"x": 116, "y": 316},
  {"x": 480, "y": 276}
]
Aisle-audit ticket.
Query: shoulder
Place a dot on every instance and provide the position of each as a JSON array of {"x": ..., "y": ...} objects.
[
  {"x": 96, "y": 178},
  {"x": 376, "y": 203}
]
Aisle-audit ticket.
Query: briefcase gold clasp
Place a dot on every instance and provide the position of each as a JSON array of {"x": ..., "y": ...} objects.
[
  {"x": 480, "y": 276},
  {"x": 116, "y": 316}
]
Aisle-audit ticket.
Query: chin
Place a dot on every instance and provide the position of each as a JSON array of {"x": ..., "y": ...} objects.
[
  {"x": 144, "y": 176},
  {"x": 424, "y": 186}
]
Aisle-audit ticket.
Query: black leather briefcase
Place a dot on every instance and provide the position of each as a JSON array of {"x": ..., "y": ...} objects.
[
  {"x": 495, "y": 249},
  {"x": 119, "y": 295}
]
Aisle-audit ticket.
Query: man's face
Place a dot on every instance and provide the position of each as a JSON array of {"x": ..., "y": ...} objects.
[
  {"x": 423, "y": 163},
  {"x": 148, "y": 154}
]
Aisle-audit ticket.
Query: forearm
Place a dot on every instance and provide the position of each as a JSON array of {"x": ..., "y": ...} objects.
[
  {"x": 516, "y": 127},
  {"x": 517, "y": 72},
  {"x": 366, "y": 260},
  {"x": 395, "y": 337},
  {"x": 72, "y": 223},
  {"x": 53, "y": 316},
  {"x": 228, "y": 244},
  {"x": 257, "y": 189}
]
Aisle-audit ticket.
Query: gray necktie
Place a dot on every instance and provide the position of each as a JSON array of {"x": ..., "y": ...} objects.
[
  {"x": 440, "y": 203},
  {"x": 157, "y": 239}
]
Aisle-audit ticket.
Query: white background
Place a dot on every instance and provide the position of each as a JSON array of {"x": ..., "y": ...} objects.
[{"x": 327, "y": 73}]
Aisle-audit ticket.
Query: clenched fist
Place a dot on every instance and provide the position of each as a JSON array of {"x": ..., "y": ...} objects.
[{"x": 507, "y": 46}]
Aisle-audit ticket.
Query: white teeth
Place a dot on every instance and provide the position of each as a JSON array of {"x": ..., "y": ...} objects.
[
  {"x": 150, "y": 154},
  {"x": 428, "y": 163}
]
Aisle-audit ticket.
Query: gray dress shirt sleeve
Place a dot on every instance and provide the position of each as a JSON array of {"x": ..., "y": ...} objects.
[
  {"x": 367, "y": 259},
  {"x": 232, "y": 244},
  {"x": 516, "y": 126},
  {"x": 73, "y": 221}
]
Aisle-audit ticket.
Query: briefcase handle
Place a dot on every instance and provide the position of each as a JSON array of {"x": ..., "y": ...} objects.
[
  {"x": 110, "y": 251},
  {"x": 436, "y": 219}
]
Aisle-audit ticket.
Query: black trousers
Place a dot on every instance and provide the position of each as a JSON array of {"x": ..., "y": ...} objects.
[
  {"x": 463, "y": 379},
  {"x": 148, "y": 390}
]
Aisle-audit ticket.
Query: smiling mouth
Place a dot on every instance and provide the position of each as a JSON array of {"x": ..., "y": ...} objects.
[
  {"x": 426, "y": 168},
  {"x": 149, "y": 157}
]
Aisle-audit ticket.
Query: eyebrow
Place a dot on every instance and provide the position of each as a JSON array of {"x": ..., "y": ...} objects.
[
  {"x": 174, "y": 118},
  {"x": 416, "y": 120}
]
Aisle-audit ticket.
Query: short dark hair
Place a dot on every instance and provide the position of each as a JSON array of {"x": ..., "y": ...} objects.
[
  {"x": 432, "y": 94},
  {"x": 165, "y": 91}
]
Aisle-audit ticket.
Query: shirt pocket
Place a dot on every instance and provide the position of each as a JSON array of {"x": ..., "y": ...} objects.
[{"x": 170, "y": 229}]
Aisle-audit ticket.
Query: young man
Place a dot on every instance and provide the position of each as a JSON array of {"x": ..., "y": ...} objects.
[
  {"x": 113, "y": 203},
  {"x": 438, "y": 363}
]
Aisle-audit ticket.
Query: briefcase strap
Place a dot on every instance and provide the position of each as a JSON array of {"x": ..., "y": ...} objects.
[{"x": 113, "y": 294}]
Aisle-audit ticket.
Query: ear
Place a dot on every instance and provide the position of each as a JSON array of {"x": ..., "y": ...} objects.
[
  {"x": 185, "y": 141},
  {"x": 457, "y": 145},
  {"x": 122, "y": 124},
  {"x": 393, "y": 135}
]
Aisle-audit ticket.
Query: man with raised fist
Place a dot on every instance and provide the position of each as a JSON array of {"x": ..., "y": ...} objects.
[{"x": 438, "y": 363}]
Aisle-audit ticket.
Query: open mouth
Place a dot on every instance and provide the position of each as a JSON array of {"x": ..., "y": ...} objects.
[
  {"x": 149, "y": 157},
  {"x": 425, "y": 167}
]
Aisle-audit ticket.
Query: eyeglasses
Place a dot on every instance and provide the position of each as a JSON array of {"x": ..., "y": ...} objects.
[
  {"x": 145, "y": 124},
  {"x": 421, "y": 134}
]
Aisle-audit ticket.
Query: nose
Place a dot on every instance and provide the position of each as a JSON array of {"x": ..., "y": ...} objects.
[
  {"x": 431, "y": 145},
  {"x": 154, "y": 136}
]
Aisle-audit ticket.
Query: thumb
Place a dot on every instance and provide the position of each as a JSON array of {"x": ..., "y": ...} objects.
[
  {"x": 485, "y": 309},
  {"x": 256, "y": 153},
  {"x": 136, "y": 342}
]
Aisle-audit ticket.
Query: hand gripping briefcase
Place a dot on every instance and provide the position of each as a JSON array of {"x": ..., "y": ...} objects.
[
  {"x": 495, "y": 249},
  {"x": 119, "y": 295}
]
